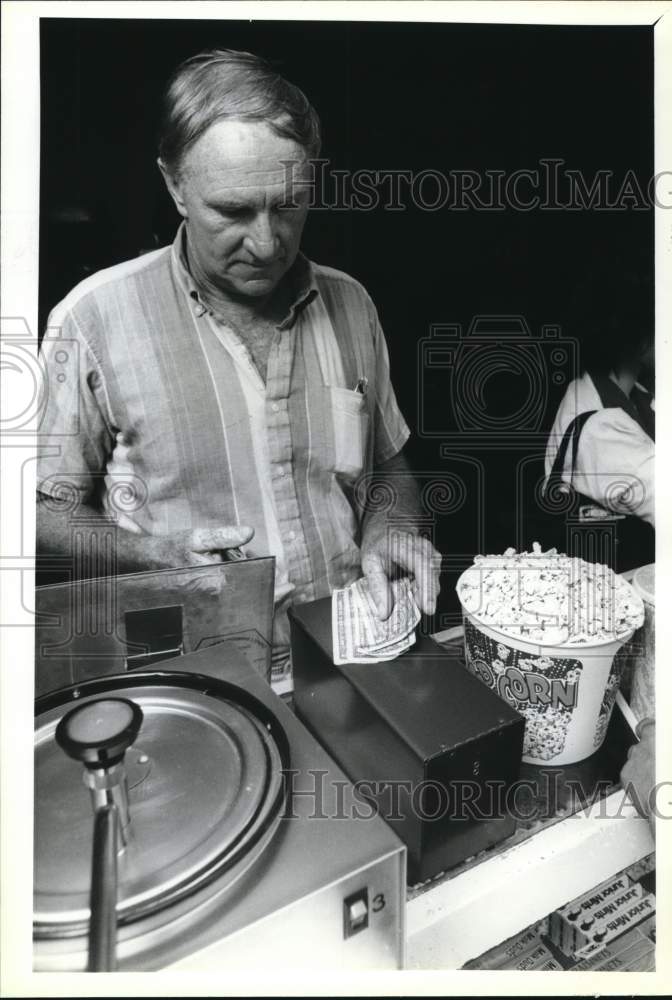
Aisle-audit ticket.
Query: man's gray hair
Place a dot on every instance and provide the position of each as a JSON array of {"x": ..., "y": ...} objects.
[{"x": 222, "y": 83}]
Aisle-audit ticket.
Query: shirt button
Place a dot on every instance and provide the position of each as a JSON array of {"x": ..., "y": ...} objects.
[
  {"x": 291, "y": 535},
  {"x": 275, "y": 407}
]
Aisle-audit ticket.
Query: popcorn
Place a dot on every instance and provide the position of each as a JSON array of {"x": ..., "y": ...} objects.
[
  {"x": 550, "y": 598},
  {"x": 546, "y": 731}
]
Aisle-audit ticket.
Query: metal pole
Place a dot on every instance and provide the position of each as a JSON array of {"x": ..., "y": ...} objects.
[{"x": 103, "y": 929}]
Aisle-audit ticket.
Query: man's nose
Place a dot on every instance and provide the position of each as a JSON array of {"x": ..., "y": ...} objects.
[{"x": 260, "y": 240}]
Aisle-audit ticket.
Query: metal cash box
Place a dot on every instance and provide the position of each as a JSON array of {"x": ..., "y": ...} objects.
[{"x": 430, "y": 745}]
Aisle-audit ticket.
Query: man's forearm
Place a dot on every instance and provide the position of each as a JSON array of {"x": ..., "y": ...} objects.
[
  {"x": 95, "y": 545},
  {"x": 92, "y": 543},
  {"x": 405, "y": 508}
]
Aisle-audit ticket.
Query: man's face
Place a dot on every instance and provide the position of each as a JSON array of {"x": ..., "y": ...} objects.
[{"x": 245, "y": 211}]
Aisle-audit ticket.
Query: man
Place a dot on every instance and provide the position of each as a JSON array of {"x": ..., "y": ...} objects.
[{"x": 235, "y": 392}]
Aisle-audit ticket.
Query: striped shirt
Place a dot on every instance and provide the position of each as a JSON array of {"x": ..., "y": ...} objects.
[{"x": 168, "y": 408}]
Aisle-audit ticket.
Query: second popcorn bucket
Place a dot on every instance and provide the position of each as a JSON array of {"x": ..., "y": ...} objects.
[{"x": 542, "y": 630}]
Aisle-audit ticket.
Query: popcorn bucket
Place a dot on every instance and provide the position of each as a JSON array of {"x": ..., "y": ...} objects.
[{"x": 565, "y": 693}]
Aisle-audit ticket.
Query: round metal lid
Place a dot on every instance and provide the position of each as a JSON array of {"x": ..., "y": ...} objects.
[{"x": 203, "y": 774}]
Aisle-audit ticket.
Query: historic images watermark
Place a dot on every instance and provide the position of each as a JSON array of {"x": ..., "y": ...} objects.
[
  {"x": 313, "y": 793},
  {"x": 550, "y": 185}
]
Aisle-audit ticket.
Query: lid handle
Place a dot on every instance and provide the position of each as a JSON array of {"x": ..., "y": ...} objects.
[{"x": 98, "y": 733}]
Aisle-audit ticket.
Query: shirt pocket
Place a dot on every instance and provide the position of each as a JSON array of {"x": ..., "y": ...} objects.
[{"x": 350, "y": 420}]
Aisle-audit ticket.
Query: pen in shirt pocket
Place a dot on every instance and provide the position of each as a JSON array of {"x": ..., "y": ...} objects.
[{"x": 362, "y": 385}]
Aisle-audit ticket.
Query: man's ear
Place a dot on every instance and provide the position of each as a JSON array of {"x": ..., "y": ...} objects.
[{"x": 174, "y": 186}]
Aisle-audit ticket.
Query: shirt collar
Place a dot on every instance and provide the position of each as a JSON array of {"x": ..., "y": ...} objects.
[{"x": 301, "y": 279}]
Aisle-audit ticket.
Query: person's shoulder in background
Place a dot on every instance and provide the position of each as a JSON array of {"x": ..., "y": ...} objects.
[{"x": 580, "y": 397}]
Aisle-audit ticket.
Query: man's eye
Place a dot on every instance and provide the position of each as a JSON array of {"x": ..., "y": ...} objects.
[{"x": 231, "y": 211}]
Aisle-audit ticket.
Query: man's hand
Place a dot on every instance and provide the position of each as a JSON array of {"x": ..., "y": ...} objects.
[
  {"x": 385, "y": 550},
  {"x": 196, "y": 547},
  {"x": 638, "y": 776}
]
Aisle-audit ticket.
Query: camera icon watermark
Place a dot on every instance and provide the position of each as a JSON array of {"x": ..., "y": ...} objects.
[
  {"x": 496, "y": 383},
  {"x": 31, "y": 378}
]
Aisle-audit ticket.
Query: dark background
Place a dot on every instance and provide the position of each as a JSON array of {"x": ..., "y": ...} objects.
[{"x": 391, "y": 96}]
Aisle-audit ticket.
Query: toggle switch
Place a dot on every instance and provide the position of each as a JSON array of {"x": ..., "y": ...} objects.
[{"x": 355, "y": 913}]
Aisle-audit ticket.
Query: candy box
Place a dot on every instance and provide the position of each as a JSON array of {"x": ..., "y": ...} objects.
[
  {"x": 634, "y": 957},
  {"x": 571, "y": 926},
  {"x": 627, "y": 914},
  {"x": 536, "y": 959}
]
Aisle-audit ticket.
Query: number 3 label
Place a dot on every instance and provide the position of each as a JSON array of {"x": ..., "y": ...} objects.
[{"x": 378, "y": 903}]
